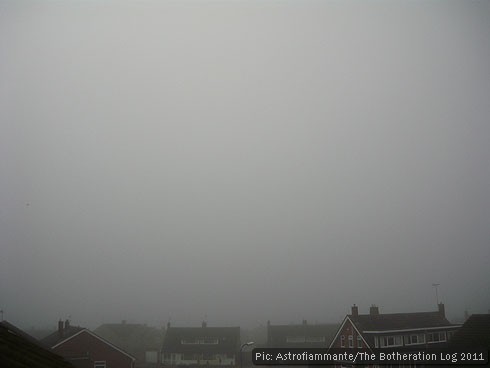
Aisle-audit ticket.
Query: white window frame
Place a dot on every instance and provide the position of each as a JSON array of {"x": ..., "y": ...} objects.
[
  {"x": 100, "y": 364},
  {"x": 315, "y": 339},
  {"x": 342, "y": 341},
  {"x": 295, "y": 339},
  {"x": 439, "y": 334},
  {"x": 209, "y": 341},
  {"x": 200, "y": 341},
  {"x": 359, "y": 341},
  {"x": 420, "y": 339},
  {"x": 384, "y": 340},
  {"x": 351, "y": 341}
]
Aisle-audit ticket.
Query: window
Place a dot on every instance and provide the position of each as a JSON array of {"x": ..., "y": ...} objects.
[
  {"x": 100, "y": 364},
  {"x": 342, "y": 341},
  {"x": 434, "y": 337},
  {"x": 209, "y": 341},
  {"x": 188, "y": 356},
  {"x": 351, "y": 341},
  {"x": 200, "y": 341},
  {"x": 315, "y": 339},
  {"x": 414, "y": 339},
  {"x": 359, "y": 341},
  {"x": 387, "y": 341},
  {"x": 295, "y": 339}
]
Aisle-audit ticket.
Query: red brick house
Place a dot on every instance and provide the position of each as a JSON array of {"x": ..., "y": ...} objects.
[
  {"x": 84, "y": 349},
  {"x": 376, "y": 330}
]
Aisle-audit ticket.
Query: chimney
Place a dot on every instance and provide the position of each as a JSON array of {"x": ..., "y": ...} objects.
[
  {"x": 67, "y": 324},
  {"x": 374, "y": 310},
  {"x": 466, "y": 315},
  {"x": 60, "y": 328},
  {"x": 168, "y": 325},
  {"x": 305, "y": 322},
  {"x": 355, "y": 311},
  {"x": 204, "y": 324},
  {"x": 442, "y": 309}
]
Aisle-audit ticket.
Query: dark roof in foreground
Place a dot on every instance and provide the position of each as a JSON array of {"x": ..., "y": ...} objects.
[
  {"x": 19, "y": 350},
  {"x": 475, "y": 333},
  {"x": 399, "y": 321},
  {"x": 228, "y": 339}
]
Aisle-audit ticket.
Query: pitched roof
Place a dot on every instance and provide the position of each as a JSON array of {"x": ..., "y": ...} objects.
[
  {"x": 399, "y": 321},
  {"x": 136, "y": 339},
  {"x": 277, "y": 335},
  {"x": 475, "y": 333},
  {"x": 57, "y": 336},
  {"x": 228, "y": 339},
  {"x": 18, "y": 349}
]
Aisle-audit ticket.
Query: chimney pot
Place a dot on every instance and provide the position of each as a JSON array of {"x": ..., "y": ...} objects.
[
  {"x": 60, "y": 328},
  {"x": 442, "y": 309},
  {"x": 355, "y": 310},
  {"x": 374, "y": 310},
  {"x": 204, "y": 324}
]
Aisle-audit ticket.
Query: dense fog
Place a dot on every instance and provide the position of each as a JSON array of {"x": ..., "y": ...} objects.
[{"x": 242, "y": 161}]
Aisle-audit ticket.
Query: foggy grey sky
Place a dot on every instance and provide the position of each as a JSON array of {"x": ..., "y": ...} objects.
[{"x": 242, "y": 160}]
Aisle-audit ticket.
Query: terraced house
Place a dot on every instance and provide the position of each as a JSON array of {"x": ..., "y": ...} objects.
[
  {"x": 302, "y": 335},
  {"x": 195, "y": 346},
  {"x": 376, "y": 330}
]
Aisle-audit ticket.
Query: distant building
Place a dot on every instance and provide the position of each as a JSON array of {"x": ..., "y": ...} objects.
[
  {"x": 302, "y": 335},
  {"x": 139, "y": 340},
  {"x": 18, "y": 349},
  {"x": 85, "y": 349},
  {"x": 197, "y": 346},
  {"x": 376, "y": 330}
]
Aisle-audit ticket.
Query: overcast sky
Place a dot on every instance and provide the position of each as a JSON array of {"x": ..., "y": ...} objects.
[{"x": 241, "y": 161}]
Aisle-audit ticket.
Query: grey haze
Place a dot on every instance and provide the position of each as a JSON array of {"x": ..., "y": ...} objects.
[{"x": 239, "y": 161}]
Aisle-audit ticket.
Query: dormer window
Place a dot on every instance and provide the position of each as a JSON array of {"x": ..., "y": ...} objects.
[
  {"x": 436, "y": 337},
  {"x": 315, "y": 339},
  {"x": 295, "y": 339},
  {"x": 200, "y": 341},
  {"x": 388, "y": 341},
  {"x": 414, "y": 339}
]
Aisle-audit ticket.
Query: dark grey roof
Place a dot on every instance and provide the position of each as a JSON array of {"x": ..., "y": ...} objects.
[
  {"x": 56, "y": 337},
  {"x": 475, "y": 333},
  {"x": 277, "y": 335},
  {"x": 18, "y": 349},
  {"x": 136, "y": 339},
  {"x": 399, "y": 321},
  {"x": 228, "y": 339}
]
